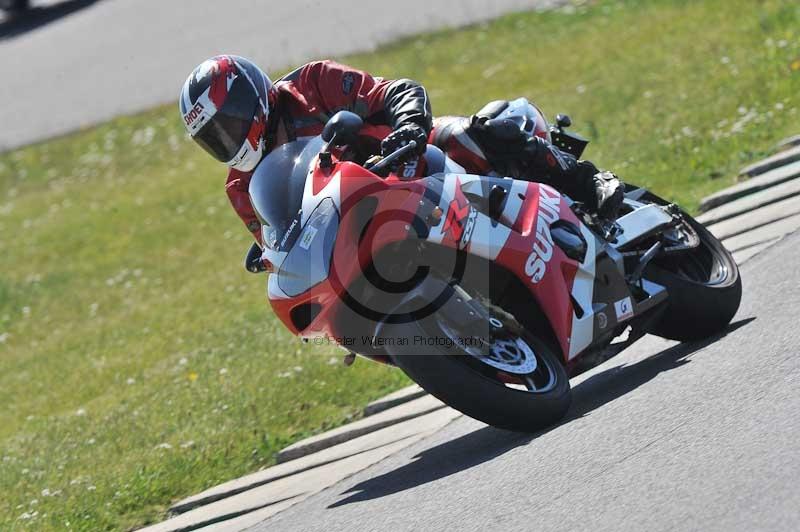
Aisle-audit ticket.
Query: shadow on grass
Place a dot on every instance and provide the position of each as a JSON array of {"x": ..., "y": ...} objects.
[
  {"x": 488, "y": 443},
  {"x": 15, "y": 24}
]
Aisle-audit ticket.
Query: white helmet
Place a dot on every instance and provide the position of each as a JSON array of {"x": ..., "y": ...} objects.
[{"x": 225, "y": 105}]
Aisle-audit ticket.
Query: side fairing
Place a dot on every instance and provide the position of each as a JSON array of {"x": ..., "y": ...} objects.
[{"x": 520, "y": 240}]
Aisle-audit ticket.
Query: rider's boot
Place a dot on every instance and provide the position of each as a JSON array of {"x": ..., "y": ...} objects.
[{"x": 609, "y": 195}]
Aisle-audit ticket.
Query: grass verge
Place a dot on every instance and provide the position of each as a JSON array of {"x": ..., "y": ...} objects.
[{"x": 139, "y": 363}]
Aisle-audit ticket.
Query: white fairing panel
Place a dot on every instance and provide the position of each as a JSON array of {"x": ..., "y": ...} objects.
[
  {"x": 273, "y": 290},
  {"x": 583, "y": 293},
  {"x": 310, "y": 201},
  {"x": 488, "y": 238},
  {"x": 484, "y": 237},
  {"x": 640, "y": 222}
]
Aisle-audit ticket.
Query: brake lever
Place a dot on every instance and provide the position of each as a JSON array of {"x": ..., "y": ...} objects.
[{"x": 390, "y": 159}]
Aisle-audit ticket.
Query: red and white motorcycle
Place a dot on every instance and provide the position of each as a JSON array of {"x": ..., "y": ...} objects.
[{"x": 489, "y": 292}]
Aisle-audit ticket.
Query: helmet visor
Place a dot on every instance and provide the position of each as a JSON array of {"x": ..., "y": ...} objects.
[{"x": 224, "y": 135}]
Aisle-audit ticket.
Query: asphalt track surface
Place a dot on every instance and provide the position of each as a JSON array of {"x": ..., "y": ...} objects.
[
  {"x": 71, "y": 63},
  {"x": 700, "y": 436}
]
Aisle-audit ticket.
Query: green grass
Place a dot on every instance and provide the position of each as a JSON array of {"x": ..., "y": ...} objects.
[{"x": 139, "y": 363}]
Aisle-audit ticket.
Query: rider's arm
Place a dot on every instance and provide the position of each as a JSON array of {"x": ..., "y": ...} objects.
[
  {"x": 237, "y": 189},
  {"x": 331, "y": 86},
  {"x": 406, "y": 102}
]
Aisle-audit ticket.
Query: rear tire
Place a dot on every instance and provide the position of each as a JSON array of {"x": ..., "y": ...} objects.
[
  {"x": 469, "y": 385},
  {"x": 704, "y": 286}
]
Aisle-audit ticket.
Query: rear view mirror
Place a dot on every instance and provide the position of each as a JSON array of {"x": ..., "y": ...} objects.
[
  {"x": 563, "y": 120},
  {"x": 342, "y": 128}
]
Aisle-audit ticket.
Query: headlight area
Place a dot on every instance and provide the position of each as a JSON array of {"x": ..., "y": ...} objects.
[{"x": 308, "y": 262}]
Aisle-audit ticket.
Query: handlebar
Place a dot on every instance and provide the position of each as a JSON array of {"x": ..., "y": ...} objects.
[{"x": 390, "y": 159}]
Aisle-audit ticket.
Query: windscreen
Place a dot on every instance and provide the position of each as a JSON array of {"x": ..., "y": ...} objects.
[{"x": 276, "y": 188}]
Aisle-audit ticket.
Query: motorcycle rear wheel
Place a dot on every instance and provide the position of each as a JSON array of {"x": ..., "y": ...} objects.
[{"x": 704, "y": 287}]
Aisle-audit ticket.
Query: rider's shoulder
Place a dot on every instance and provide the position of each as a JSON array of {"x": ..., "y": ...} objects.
[{"x": 311, "y": 67}]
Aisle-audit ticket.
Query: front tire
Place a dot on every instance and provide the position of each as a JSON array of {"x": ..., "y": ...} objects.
[{"x": 479, "y": 390}]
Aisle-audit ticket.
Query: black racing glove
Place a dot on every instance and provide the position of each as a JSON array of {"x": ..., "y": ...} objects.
[{"x": 402, "y": 136}]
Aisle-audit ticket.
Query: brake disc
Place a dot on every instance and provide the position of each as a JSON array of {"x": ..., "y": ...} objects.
[{"x": 512, "y": 355}]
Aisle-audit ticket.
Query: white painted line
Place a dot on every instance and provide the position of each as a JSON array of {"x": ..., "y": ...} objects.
[
  {"x": 775, "y": 161},
  {"x": 747, "y": 253},
  {"x": 274, "y": 496},
  {"x": 752, "y": 220},
  {"x": 404, "y": 395},
  {"x": 409, "y": 410},
  {"x": 293, "y": 467},
  {"x": 757, "y": 192},
  {"x": 763, "y": 234}
]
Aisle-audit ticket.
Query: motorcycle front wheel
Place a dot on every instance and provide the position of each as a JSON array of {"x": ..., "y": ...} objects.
[{"x": 519, "y": 383}]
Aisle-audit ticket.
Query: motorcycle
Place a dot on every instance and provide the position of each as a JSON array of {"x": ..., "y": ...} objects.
[{"x": 489, "y": 292}]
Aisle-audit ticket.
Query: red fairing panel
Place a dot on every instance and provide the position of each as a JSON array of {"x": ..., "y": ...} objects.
[{"x": 543, "y": 267}]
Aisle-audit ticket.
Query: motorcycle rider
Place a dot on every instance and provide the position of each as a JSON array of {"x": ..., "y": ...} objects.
[{"x": 234, "y": 111}]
